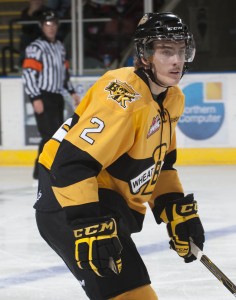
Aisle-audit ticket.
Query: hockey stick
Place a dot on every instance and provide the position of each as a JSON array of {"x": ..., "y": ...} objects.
[{"x": 213, "y": 268}]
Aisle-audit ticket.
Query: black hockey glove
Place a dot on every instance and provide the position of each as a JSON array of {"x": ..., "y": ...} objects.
[
  {"x": 183, "y": 223},
  {"x": 97, "y": 246}
]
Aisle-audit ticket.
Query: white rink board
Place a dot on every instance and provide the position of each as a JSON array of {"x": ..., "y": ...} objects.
[{"x": 222, "y": 85}]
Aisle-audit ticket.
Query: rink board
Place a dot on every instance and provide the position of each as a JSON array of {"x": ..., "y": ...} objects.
[
  {"x": 217, "y": 156},
  {"x": 205, "y": 131}
]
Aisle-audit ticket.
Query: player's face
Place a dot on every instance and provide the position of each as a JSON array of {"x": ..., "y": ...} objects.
[
  {"x": 49, "y": 29},
  {"x": 168, "y": 61}
]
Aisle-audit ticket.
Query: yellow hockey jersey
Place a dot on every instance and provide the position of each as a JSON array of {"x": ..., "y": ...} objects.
[{"x": 121, "y": 140}]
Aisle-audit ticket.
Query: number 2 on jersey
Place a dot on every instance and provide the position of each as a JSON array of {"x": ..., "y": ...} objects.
[{"x": 87, "y": 131}]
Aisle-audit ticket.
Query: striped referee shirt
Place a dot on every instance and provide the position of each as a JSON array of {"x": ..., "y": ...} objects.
[{"x": 45, "y": 68}]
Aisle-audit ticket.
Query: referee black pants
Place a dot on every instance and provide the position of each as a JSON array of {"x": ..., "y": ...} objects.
[{"x": 49, "y": 121}]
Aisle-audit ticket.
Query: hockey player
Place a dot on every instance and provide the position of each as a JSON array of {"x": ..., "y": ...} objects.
[{"x": 115, "y": 154}]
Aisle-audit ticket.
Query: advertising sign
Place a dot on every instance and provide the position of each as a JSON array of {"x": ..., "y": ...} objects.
[
  {"x": 32, "y": 136},
  {"x": 205, "y": 109},
  {"x": 0, "y": 118}
]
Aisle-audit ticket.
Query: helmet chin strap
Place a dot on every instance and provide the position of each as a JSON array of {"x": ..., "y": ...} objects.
[
  {"x": 152, "y": 77},
  {"x": 150, "y": 74}
]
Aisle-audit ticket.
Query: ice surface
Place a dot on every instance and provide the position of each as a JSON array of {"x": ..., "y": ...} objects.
[{"x": 30, "y": 270}]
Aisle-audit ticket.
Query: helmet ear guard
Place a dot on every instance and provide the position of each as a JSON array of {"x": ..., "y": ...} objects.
[
  {"x": 144, "y": 51},
  {"x": 190, "y": 49},
  {"x": 148, "y": 49}
]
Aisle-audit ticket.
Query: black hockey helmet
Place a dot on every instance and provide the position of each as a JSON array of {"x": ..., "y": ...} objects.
[
  {"x": 162, "y": 26},
  {"x": 49, "y": 16}
]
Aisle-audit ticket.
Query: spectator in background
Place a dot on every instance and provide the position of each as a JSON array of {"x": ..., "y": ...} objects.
[
  {"x": 30, "y": 32},
  {"x": 123, "y": 15},
  {"x": 62, "y": 7},
  {"x": 63, "y": 10},
  {"x": 45, "y": 75}
]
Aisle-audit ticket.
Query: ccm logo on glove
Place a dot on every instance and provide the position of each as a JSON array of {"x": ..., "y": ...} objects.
[
  {"x": 188, "y": 208},
  {"x": 183, "y": 224},
  {"x": 105, "y": 228},
  {"x": 97, "y": 245}
]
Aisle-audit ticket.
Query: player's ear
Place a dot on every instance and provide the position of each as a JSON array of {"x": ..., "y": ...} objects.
[{"x": 145, "y": 61}]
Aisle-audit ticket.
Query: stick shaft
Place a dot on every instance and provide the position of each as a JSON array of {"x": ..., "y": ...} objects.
[{"x": 213, "y": 269}]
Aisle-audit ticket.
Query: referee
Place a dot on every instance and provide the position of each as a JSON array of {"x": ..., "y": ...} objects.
[{"x": 45, "y": 75}]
